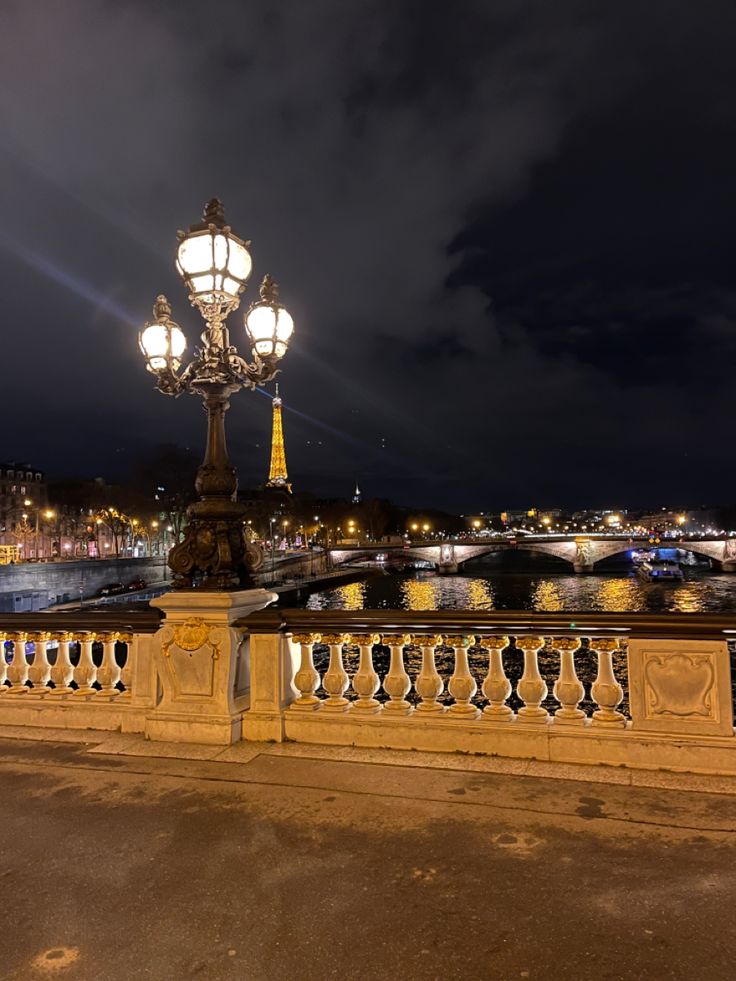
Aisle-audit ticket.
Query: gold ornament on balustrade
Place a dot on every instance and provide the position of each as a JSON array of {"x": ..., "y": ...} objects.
[
  {"x": 366, "y": 640},
  {"x": 457, "y": 640},
  {"x": 397, "y": 640},
  {"x": 530, "y": 643},
  {"x": 335, "y": 640},
  {"x": 307, "y": 638},
  {"x": 431, "y": 640},
  {"x": 495, "y": 642},
  {"x": 190, "y": 636},
  {"x": 566, "y": 643},
  {"x": 604, "y": 644}
]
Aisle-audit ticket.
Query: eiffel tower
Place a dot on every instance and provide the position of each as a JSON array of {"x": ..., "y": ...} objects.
[{"x": 277, "y": 475}]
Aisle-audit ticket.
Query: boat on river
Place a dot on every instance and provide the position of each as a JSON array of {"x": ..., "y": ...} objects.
[{"x": 659, "y": 570}]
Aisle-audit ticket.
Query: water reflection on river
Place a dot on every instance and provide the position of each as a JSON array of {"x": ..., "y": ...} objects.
[{"x": 624, "y": 592}]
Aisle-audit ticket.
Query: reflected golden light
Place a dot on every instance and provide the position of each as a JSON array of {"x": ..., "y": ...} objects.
[
  {"x": 619, "y": 596},
  {"x": 351, "y": 596},
  {"x": 480, "y": 595},
  {"x": 546, "y": 597},
  {"x": 420, "y": 594},
  {"x": 687, "y": 599}
]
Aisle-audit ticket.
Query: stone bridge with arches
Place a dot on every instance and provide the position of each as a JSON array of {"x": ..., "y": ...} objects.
[{"x": 582, "y": 553}]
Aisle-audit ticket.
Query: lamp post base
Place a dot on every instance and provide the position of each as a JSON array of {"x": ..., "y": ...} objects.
[{"x": 214, "y": 554}]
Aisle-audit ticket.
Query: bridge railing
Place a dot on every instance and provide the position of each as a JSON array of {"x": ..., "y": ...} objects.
[
  {"x": 88, "y": 670},
  {"x": 618, "y": 689},
  {"x": 632, "y": 690}
]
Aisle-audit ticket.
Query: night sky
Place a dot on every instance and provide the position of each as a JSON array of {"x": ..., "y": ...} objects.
[{"x": 505, "y": 230}]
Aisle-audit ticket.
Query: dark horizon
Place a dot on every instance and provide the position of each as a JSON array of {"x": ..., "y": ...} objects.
[{"x": 506, "y": 237}]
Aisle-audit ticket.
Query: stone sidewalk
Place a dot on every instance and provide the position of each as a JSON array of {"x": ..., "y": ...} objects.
[{"x": 121, "y": 859}]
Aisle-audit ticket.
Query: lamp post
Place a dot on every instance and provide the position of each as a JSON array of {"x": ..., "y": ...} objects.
[
  {"x": 48, "y": 515},
  {"x": 215, "y": 265}
]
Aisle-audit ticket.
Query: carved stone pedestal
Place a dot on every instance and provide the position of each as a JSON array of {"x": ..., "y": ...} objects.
[{"x": 204, "y": 678}]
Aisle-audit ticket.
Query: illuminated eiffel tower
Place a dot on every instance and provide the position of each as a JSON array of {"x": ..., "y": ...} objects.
[{"x": 277, "y": 475}]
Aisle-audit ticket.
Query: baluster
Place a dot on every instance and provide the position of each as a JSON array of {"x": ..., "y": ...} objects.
[
  {"x": 335, "y": 680},
  {"x": 126, "y": 672},
  {"x": 85, "y": 672},
  {"x": 307, "y": 677},
  {"x": 62, "y": 671},
  {"x": 366, "y": 681},
  {"x": 532, "y": 689},
  {"x": 109, "y": 671},
  {"x": 3, "y": 664},
  {"x": 606, "y": 691},
  {"x": 568, "y": 689},
  {"x": 397, "y": 683},
  {"x": 429, "y": 685},
  {"x": 496, "y": 686},
  {"x": 462, "y": 684},
  {"x": 40, "y": 671},
  {"x": 18, "y": 670}
]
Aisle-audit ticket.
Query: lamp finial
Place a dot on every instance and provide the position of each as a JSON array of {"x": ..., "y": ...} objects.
[{"x": 214, "y": 213}]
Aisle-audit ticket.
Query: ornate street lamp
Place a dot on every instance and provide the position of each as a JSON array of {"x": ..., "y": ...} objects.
[{"x": 215, "y": 265}]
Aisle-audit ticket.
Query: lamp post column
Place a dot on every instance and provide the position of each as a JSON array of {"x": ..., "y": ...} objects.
[{"x": 214, "y": 540}]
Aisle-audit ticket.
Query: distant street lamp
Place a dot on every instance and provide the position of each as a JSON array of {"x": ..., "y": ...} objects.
[
  {"x": 215, "y": 265},
  {"x": 47, "y": 513}
]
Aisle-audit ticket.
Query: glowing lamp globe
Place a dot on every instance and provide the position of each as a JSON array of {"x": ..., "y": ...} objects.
[
  {"x": 268, "y": 324},
  {"x": 162, "y": 342},
  {"x": 214, "y": 263}
]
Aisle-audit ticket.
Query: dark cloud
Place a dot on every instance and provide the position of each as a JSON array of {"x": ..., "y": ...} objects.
[{"x": 505, "y": 232}]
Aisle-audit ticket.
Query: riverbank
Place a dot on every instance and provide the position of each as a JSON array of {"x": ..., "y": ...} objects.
[{"x": 295, "y": 590}]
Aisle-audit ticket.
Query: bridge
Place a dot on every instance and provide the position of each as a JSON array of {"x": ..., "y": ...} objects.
[{"x": 582, "y": 553}]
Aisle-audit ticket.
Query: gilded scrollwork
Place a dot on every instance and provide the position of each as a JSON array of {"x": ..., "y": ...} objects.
[{"x": 190, "y": 636}]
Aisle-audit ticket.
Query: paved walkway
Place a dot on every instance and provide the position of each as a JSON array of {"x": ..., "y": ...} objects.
[{"x": 121, "y": 859}]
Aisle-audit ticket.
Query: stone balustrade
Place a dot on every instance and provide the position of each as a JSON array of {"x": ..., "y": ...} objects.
[
  {"x": 460, "y": 692},
  {"x": 632, "y": 690},
  {"x": 91, "y": 671}
]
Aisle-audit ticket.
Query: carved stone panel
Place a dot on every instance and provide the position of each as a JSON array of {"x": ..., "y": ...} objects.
[{"x": 680, "y": 686}]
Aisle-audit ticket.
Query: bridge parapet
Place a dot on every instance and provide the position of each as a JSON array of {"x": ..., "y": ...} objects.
[
  {"x": 497, "y": 683},
  {"x": 502, "y": 683}
]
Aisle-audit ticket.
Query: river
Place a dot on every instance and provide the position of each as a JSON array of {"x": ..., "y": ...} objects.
[{"x": 543, "y": 590}]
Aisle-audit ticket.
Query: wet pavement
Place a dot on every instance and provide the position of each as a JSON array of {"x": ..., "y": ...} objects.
[{"x": 121, "y": 859}]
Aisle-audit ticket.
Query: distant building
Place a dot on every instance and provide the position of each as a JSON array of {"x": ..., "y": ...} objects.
[
  {"x": 357, "y": 496},
  {"x": 278, "y": 476},
  {"x": 23, "y": 491}
]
